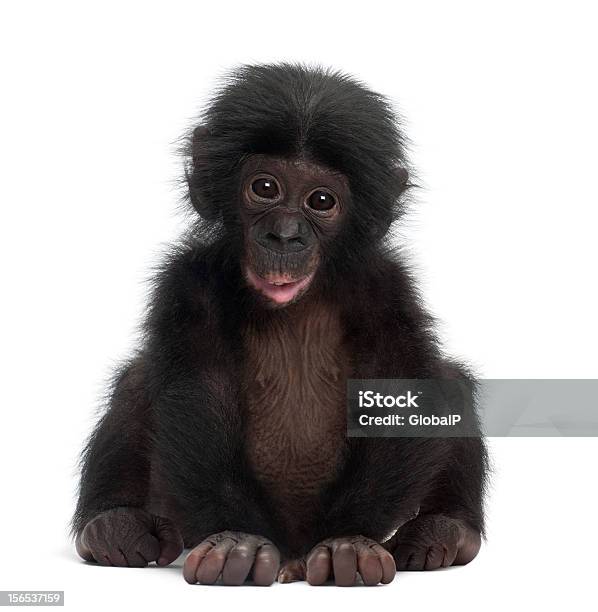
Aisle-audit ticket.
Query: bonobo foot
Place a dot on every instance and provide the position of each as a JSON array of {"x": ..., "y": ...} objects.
[
  {"x": 342, "y": 559},
  {"x": 129, "y": 537},
  {"x": 432, "y": 541},
  {"x": 291, "y": 570},
  {"x": 232, "y": 555}
]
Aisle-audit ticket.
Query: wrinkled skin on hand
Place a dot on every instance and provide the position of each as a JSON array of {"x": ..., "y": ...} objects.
[
  {"x": 129, "y": 537},
  {"x": 344, "y": 559},
  {"x": 433, "y": 541},
  {"x": 132, "y": 537},
  {"x": 233, "y": 555}
]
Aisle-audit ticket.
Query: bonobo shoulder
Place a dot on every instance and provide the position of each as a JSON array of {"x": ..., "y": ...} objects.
[{"x": 185, "y": 288}]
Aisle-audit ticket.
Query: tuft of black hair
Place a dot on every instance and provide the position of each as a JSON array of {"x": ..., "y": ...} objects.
[{"x": 293, "y": 110}]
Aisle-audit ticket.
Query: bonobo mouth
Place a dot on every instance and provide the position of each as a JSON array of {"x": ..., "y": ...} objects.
[{"x": 278, "y": 288}]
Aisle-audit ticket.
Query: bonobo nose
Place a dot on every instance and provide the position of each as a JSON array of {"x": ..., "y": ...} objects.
[{"x": 284, "y": 233}]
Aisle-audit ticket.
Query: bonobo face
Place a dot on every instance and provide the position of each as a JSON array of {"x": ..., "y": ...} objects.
[{"x": 291, "y": 208}]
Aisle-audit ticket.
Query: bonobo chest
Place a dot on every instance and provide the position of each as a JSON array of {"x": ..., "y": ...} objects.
[{"x": 295, "y": 410}]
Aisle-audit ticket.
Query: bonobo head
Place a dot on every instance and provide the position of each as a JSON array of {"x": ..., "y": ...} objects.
[{"x": 302, "y": 170}]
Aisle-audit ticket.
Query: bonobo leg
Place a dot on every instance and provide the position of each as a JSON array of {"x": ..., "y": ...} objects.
[
  {"x": 432, "y": 541},
  {"x": 233, "y": 555},
  {"x": 129, "y": 537}
]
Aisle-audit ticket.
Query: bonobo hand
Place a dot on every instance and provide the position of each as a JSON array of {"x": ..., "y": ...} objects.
[
  {"x": 129, "y": 537},
  {"x": 343, "y": 558},
  {"x": 432, "y": 541},
  {"x": 232, "y": 554}
]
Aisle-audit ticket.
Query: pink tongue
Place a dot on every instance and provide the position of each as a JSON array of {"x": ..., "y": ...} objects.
[{"x": 280, "y": 294}]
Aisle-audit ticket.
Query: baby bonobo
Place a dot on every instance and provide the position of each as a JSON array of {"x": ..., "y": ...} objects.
[{"x": 226, "y": 432}]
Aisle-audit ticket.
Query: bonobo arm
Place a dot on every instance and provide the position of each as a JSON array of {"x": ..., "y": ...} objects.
[
  {"x": 115, "y": 460},
  {"x": 110, "y": 524},
  {"x": 449, "y": 526},
  {"x": 430, "y": 489}
]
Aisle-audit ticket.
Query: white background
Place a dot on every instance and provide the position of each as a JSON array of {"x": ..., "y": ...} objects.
[{"x": 500, "y": 101}]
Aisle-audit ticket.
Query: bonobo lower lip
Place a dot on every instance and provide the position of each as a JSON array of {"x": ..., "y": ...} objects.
[{"x": 278, "y": 288}]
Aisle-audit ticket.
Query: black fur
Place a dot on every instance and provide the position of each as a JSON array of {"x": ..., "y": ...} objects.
[{"x": 176, "y": 413}]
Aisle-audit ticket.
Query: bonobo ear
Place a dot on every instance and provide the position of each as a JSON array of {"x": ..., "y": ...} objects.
[
  {"x": 199, "y": 157},
  {"x": 400, "y": 176},
  {"x": 198, "y": 149}
]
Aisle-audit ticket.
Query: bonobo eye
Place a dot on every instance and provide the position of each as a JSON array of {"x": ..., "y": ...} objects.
[
  {"x": 265, "y": 187},
  {"x": 321, "y": 200}
]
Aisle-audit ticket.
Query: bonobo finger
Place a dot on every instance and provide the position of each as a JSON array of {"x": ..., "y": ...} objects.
[
  {"x": 102, "y": 558},
  {"x": 368, "y": 563},
  {"x": 435, "y": 557},
  {"x": 417, "y": 560},
  {"x": 148, "y": 547},
  {"x": 239, "y": 561},
  {"x": 82, "y": 549},
  {"x": 194, "y": 558},
  {"x": 319, "y": 565},
  {"x": 212, "y": 564},
  {"x": 267, "y": 562},
  {"x": 411, "y": 558},
  {"x": 135, "y": 559},
  {"x": 117, "y": 558},
  {"x": 450, "y": 554},
  {"x": 344, "y": 564},
  {"x": 170, "y": 539},
  {"x": 389, "y": 568}
]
